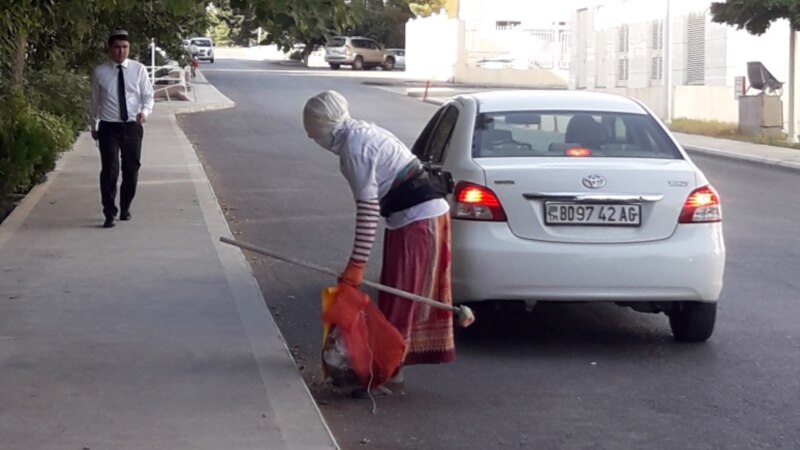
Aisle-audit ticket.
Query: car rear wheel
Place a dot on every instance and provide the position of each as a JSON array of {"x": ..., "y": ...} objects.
[
  {"x": 358, "y": 63},
  {"x": 693, "y": 321},
  {"x": 389, "y": 64},
  {"x": 334, "y": 67},
  {"x": 212, "y": 60}
]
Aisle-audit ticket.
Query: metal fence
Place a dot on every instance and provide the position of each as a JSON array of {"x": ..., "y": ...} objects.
[{"x": 546, "y": 47}]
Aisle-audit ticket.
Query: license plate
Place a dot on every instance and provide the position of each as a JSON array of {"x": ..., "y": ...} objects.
[{"x": 597, "y": 214}]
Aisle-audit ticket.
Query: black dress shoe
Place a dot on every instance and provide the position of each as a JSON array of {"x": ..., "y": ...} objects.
[
  {"x": 125, "y": 215},
  {"x": 109, "y": 223}
]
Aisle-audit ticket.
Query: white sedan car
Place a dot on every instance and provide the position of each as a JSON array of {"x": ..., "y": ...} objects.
[{"x": 574, "y": 196}]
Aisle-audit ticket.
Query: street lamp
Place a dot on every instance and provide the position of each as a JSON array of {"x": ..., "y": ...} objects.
[
  {"x": 792, "y": 132},
  {"x": 667, "y": 65}
]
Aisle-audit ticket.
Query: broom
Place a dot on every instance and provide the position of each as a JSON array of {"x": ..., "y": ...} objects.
[{"x": 464, "y": 314}]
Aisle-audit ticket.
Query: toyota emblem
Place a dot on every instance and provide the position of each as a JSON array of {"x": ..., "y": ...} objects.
[{"x": 594, "y": 181}]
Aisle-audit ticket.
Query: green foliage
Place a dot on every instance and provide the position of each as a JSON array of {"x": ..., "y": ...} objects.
[
  {"x": 383, "y": 21},
  {"x": 756, "y": 15},
  {"x": 47, "y": 50},
  {"x": 30, "y": 140},
  {"x": 62, "y": 93},
  {"x": 309, "y": 22},
  {"x": 425, "y": 8},
  {"x": 232, "y": 25}
]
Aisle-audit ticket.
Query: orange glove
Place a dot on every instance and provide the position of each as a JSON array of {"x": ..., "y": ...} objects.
[{"x": 353, "y": 274}]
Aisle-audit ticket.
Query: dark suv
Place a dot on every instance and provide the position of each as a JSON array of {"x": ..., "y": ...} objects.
[{"x": 358, "y": 53}]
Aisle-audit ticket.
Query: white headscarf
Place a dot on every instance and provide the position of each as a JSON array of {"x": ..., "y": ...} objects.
[{"x": 323, "y": 115}]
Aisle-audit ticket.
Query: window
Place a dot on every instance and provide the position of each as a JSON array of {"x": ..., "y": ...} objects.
[
  {"x": 555, "y": 133},
  {"x": 502, "y": 25},
  {"x": 622, "y": 70},
  {"x": 696, "y": 49},
  {"x": 622, "y": 39},
  {"x": 622, "y": 56},
  {"x": 656, "y": 68},
  {"x": 433, "y": 140},
  {"x": 337, "y": 42},
  {"x": 657, "y": 35}
]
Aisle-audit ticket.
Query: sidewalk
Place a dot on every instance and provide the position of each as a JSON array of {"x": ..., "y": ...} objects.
[
  {"x": 765, "y": 154},
  {"x": 149, "y": 335}
]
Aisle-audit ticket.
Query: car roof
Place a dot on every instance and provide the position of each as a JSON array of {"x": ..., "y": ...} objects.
[{"x": 554, "y": 100}]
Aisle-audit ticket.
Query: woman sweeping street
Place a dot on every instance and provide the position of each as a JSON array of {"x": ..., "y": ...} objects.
[{"x": 387, "y": 180}]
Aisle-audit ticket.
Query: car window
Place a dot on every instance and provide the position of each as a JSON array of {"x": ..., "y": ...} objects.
[
  {"x": 202, "y": 42},
  {"x": 337, "y": 42},
  {"x": 359, "y": 43},
  {"x": 374, "y": 45},
  {"x": 570, "y": 133},
  {"x": 434, "y": 138}
]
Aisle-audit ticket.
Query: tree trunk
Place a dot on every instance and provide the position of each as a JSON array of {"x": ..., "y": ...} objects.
[{"x": 18, "y": 63}]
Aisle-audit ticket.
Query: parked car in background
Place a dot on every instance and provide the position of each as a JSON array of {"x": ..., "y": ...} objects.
[
  {"x": 570, "y": 196},
  {"x": 357, "y": 52},
  {"x": 205, "y": 48},
  {"x": 399, "y": 57}
]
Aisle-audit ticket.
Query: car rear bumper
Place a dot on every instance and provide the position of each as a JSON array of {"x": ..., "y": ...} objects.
[
  {"x": 338, "y": 59},
  {"x": 490, "y": 263}
]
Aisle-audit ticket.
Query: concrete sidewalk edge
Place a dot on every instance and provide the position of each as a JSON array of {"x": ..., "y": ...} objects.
[
  {"x": 285, "y": 389},
  {"x": 256, "y": 318}
]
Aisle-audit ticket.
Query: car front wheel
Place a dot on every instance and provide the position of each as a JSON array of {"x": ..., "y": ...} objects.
[
  {"x": 693, "y": 321},
  {"x": 358, "y": 63}
]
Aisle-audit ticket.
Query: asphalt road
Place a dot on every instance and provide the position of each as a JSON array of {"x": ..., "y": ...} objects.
[{"x": 564, "y": 376}]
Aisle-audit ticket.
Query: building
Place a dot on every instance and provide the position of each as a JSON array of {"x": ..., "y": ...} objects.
[{"x": 621, "y": 46}]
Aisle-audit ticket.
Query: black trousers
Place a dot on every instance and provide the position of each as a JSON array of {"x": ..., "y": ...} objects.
[{"x": 115, "y": 139}]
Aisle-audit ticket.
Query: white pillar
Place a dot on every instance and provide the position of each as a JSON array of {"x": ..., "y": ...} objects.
[{"x": 153, "y": 60}]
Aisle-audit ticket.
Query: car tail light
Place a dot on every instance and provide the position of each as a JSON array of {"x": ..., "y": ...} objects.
[
  {"x": 579, "y": 152},
  {"x": 475, "y": 202},
  {"x": 702, "y": 206}
]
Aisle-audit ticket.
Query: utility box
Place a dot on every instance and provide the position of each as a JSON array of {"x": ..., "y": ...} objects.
[{"x": 760, "y": 115}]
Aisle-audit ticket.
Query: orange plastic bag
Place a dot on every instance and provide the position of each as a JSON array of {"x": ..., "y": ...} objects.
[{"x": 374, "y": 347}]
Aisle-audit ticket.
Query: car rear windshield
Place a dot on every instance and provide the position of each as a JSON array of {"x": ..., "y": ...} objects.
[
  {"x": 337, "y": 42},
  {"x": 569, "y": 134},
  {"x": 202, "y": 42}
]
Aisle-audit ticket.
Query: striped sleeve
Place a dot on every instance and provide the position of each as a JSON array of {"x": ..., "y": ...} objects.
[{"x": 367, "y": 218}]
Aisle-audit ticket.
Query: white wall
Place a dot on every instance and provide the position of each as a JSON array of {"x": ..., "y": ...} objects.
[{"x": 433, "y": 47}]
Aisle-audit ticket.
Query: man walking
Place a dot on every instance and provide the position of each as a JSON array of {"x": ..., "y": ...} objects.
[{"x": 122, "y": 98}]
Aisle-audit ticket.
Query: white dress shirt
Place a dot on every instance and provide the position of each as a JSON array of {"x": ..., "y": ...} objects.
[
  {"x": 370, "y": 157},
  {"x": 138, "y": 92}
]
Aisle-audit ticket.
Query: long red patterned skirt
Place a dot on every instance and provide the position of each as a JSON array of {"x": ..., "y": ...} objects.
[{"x": 416, "y": 259}]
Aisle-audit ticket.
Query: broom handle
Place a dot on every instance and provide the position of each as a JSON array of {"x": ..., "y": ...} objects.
[{"x": 327, "y": 271}]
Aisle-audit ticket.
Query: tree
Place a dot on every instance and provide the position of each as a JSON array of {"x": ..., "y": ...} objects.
[
  {"x": 47, "y": 49},
  {"x": 307, "y": 22},
  {"x": 425, "y": 8},
  {"x": 756, "y": 15},
  {"x": 384, "y": 21}
]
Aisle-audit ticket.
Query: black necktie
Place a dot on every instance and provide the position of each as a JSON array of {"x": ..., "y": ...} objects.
[{"x": 123, "y": 105}]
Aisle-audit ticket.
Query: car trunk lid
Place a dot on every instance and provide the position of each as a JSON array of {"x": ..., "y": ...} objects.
[{"x": 615, "y": 200}]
